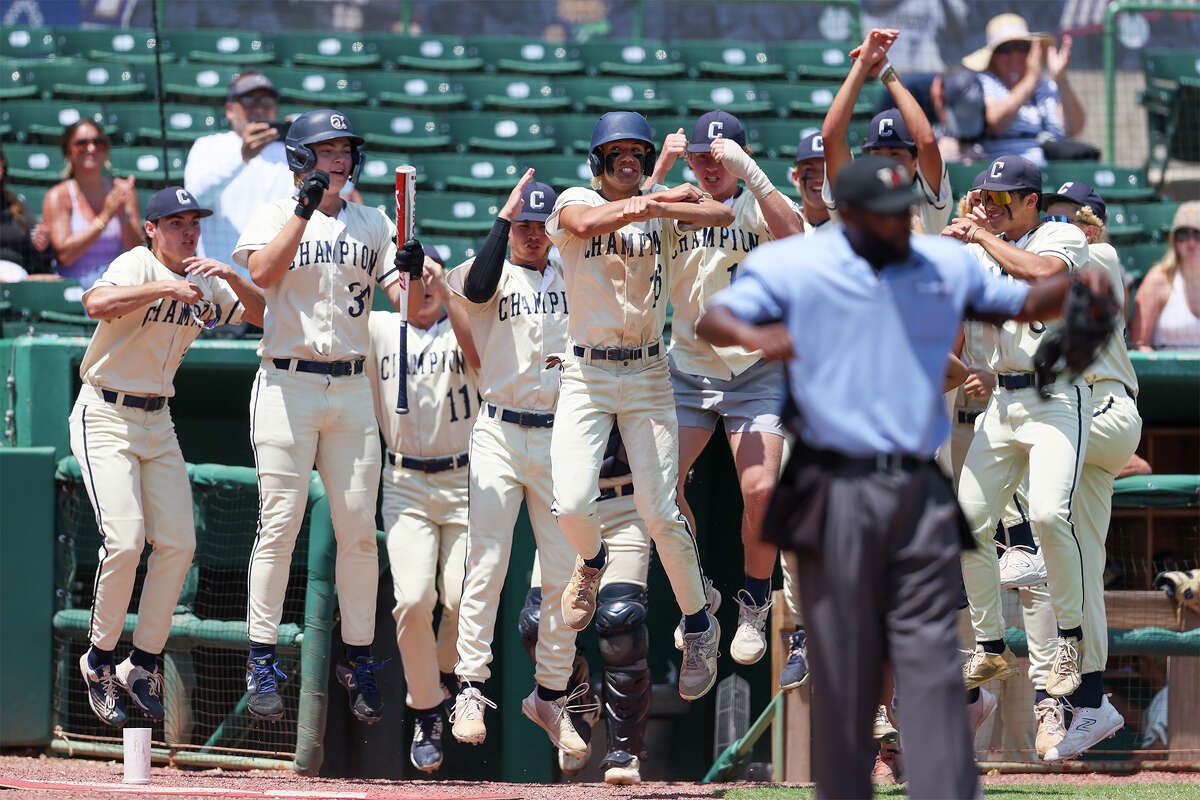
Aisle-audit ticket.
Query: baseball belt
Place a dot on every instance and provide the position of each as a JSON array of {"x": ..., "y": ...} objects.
[
  {"x": 1016, "y": 380},
  {"x": 337, "y": 369},
  {"x": 430, "y": 465},
  {"x": 616, "y": 353},
  {"x": 526, "y": 419},
  {"x": 609, "y": 492},
  {"x": 133, "y": 401},
  {"x": 967, "y": 416}
]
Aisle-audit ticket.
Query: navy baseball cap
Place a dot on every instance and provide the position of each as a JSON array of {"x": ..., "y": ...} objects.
[
  {"x": 173, "y": 200},
  {"x": 252, "y": 82},
  {"x": 1012, "y": 173},
  {"x": 980, "y": 177},
  {"x": 876, "y": 183},
  {"x": 1081, "y": 194},
  {"x": 811, "y": 146},
  {"x": 538, "y": 201},
  {"x": 715, "y": 125},
  {"x": 887, "y": 129}
]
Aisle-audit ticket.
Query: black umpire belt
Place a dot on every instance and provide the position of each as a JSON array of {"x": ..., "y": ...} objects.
[
  {"x": 133, "y": 401},
  {"x": 609, "y": 492},
  {"x": 338, "y": 369},
  {"x": 1017, "y": 380},
  {"x": 526, "y": 419},
  {"x": 616, "y": 353},
  {"x": 967, "y": 416},
  {"x": 429, "y": 464},
  {"x": 880, "y": 462}
]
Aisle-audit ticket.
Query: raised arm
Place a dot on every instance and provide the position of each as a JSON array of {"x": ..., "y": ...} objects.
[
  {"x": 56, "y": 212},
  {"x": 484, "y": 275},
  {"x": 779, "y": 214},
  {"x": 674, "y": 147},
  {"x": 268, "y": 265},
  {"x": 929, "y": 158},
  {"x": 868, "y": 57},
  {"x": 1001, "y": 111},
  {"x": 1057, "y": 59}
]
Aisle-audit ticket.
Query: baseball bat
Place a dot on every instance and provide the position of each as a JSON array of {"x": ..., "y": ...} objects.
[{"x": 406, "y": 185}]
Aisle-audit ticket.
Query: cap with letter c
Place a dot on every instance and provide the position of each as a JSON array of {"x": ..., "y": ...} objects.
[
  {"x": 173, "y": 200},
  {"x": 888, "y": 129},
  {"x": 1081, "y": 194},
  {"x": 1012, "y": 173},
  {"x": 811, "y": 146},
  {"x": 537, "y": 201},
  {"x": 715, "y": 125}
]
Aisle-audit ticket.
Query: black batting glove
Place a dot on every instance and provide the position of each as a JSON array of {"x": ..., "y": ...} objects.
[
  {"x": 410, "y": 257},
  {"x": 312, "y": 189}
]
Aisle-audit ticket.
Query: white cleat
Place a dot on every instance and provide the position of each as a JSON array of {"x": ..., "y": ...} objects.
[
  {"x": 573, "y": 763},
  {"x": 1089, "y": 727},
  {"x": 882, "y": 729},
  {"x": 467, "y": 717},
  {"x": 554, "y": 717},
  {"x": 1021, "y": 567},
  {"x": 1050, "y": 727},
  {"x": 979, "y": 711},
  {"x": 750, "y": 639},
  {"x": 624, "y": 770},
  {"x": 713, "y": 595}
]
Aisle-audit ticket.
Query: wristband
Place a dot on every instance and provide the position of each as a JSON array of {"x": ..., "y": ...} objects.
[{"x": 885, "y": 69}]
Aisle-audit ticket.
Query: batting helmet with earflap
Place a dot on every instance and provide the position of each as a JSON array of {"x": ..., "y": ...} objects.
[
  {"x": 320, "y": 126},
  {"x": 617, "y": 125}
]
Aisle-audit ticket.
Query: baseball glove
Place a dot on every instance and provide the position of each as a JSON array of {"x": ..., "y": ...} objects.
[
  {"x": 1182, "y": 587},
  {"x": 1088, "y": 320}
]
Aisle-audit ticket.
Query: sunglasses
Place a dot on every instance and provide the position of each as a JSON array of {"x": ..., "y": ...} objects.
[
  {"x": 995, "y": 198},
  {"x": 1183, "y": 234},
  {"x": 83, "y": 144},
  {"x": 258, "y": 100},
  {"x": 1013, "y": 47}
]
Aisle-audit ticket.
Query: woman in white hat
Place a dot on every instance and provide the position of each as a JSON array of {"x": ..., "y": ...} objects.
[{"x": 1024, "y": 108}]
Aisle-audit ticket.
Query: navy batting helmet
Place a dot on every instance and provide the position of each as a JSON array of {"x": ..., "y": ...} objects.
[
  {"x": 320, "y": 126},
  {"x": 617, "y": 125}
]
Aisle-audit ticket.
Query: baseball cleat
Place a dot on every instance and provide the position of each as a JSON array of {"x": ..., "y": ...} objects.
[
  {"x": 467, "y": 717},
  {"x": 699, "y": 670},
  {"x": 144, "y": 686},
  {"x": 1019, "y": 566},
  {"x": 1065, "y": 676},
  {"x": 979, "y": 711},
  {"x": 579, "y": 598},
  {"x": 1089, "y": 727},
  {"x": 573, "y": 763},
  {"x": 882, "y": 729},
  {"x": 713, "y": 595},
  {"x": 621, "y": 768},
  {"x": 104, "y": 695},
  {"x": 750, "y": 639},
  {"x": 264, "y": 701},
  {"x": 795, "y": 670},
  {"x": 426, "y": 750},
  {"x": 1050, "y": 726},
  {"x": 554, "y": 717},
  {"x": 982, "y": 666},
  {"x": 359, "y": 679}
]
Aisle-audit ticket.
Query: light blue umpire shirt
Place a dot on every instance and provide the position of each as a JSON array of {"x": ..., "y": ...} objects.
[{"x": 871, "y": 347}]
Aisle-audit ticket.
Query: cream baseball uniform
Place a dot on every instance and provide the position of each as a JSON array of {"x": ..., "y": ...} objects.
[
  {"x": 129, "y": 457},
  {"x": 316, "y": 318},
  {"x": 424, "y": 490},
  {"x": 1019, "y": 431},
  {"x": 524, "y": 321},
  {"x": 933, "y": 211},
  {"x": 618, "y": 284}
]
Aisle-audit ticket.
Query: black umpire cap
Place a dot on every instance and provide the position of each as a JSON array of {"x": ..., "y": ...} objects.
[{"x": 875, "y": 183}]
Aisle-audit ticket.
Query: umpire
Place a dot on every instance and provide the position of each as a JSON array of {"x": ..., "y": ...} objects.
[{"x": 866, "y": 315}]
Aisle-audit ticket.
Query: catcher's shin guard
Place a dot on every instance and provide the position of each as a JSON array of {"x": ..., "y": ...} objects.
[
  {"x": 527, "y": 623},
  {"x": 621, "y": 628}
]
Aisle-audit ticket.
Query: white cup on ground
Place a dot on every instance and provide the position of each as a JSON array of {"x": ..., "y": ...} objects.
[{"x": 137, "y": 754}]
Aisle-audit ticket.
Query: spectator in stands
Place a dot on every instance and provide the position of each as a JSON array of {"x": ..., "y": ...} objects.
[
  {"x": 24, "y": 245},
  {"x": 1166, "y": 313},
  {"x": 235, "y": 172},
  {"x": 92, "y": 218},
  {"x": 953, "y": 102},
  {"x": 1025, "y": 110}
]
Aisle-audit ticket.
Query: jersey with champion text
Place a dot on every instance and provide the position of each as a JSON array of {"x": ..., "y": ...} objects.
[
  {"x": 1013, "y": 344},
  {"x": 617, "y": 281},
  {"x": 442, "y": 399},
  {"x": 140, "y": 352},
  {"x": 933, "y": 210},
  {"x": 514, "y": 331},
  {"x": 1112, "y": 362},
  {"x": 318, "y": 310},
  {"x": 703, "y": 262}
]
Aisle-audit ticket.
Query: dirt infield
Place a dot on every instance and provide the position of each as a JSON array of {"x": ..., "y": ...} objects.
[{"x": 43, "y": 768}]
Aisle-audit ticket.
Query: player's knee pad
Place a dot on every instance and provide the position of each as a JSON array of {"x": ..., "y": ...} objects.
[
  {"x": 527, "y": 622},
  {"x": 621, "y": 623}
]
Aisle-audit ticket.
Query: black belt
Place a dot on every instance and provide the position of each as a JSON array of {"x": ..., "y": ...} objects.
[
  {"x": 967, "y": 416},
  {"x": 429, "y": 464},
  {"x": 609, "y": 492},
  {"x": 616, "y": 353},
  {"x": 526, "y": 419},
  {"x": 880, "y": 462},
  {"x": 144, "y": 403},
  {"x": 338, "y": 369},
  {"x": 1020, "y": 380}
]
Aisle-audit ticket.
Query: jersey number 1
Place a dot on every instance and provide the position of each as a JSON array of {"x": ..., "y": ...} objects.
[{"x": 466, "y": 396}]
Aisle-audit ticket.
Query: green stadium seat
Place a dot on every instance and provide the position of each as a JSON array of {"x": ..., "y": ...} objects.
[
  {"x": 317, "y": 85},
  {"x": 1154, "y": 218},
  {"x": 814, "y": 99},
  {"x": 634, "y": 59},
  {"x": 454, "y": 250},
  {"x": 562, "y": 172},
  {"x": 411, "y": 89},
  {"x": 34, "y": 120},
  {"x": 16, "y": 82},
  {"x": 736, "y": 97},
  {"x": 610, "y": 94},
  {"x": 401, "y": 129},
  {"x": 436, "y": 53},
  {"x": 21, "y": 41},
  {"x": 1170, "y": 67},
  {"x": 502, "y": 133},
  {"x": 813, "y": 60},
  {"x": 90, "y": 80},
  {"x": 322, "y": 49},
  {"x": 777, "y": 138},
  {"x": 214, "y": 46},
  {"x": 729, "y": 60},
  {"x": 379, "y": 171},
  {"x": 573, "y": 131},
  {"x": 474, "y": 172},
  {"x": 139, "y": 122},
  {"x": 208, "y": 82},
  {"x": 146, "y": 164},
  {"x": 1137, "y": 259},
  {"x": 1112, "y": 182},
  {"x": 515, "y": 92},
  {"x": 1120, "y": 226},
  {"x": 114, "y": 45},
  {"x": 536, "y": 56},
  {"x": 33, "y": 196},
  {"x": 457, "y": 214},
  {"x": 33, "y": 163}
]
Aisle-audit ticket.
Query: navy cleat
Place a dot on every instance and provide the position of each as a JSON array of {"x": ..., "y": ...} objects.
[
  {"x": 795, "y": 670},
  {"x": 104, "y": 695},
  {"x": 144, "y": 686},
  {"x": 265, "y": 702},
  {"x": 426, "y": 751},
  {"x": 359, "y": 679}
]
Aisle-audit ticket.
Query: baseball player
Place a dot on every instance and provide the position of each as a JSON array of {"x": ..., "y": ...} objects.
[
  {"x": 730, "y": 384},
  {"x": 151, "y": 302},
  {"x": 902, "y": 134},
  {"x": 424, "y": 504},
  {"x": 318, "y": 259},
  {"x": 514, "y": 316},
  {"x": 1020, "y": 430},
  {"x": 615, "y": 242},
  {"x": 808, "y": 176}
]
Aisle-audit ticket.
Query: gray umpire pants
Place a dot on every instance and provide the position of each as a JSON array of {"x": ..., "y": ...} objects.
[{"x": 883, "y": 584}]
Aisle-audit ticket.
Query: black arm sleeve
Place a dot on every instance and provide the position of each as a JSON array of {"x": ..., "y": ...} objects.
[{"x": 484, "y": 276}]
